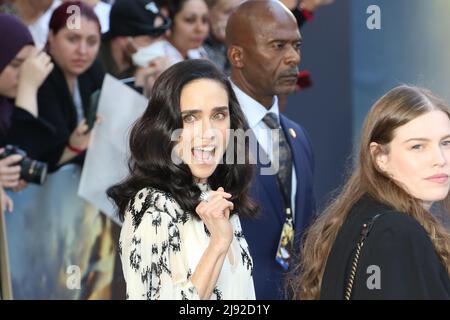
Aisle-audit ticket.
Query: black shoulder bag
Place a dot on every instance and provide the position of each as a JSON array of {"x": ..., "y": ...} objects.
[{"x": 363, "y": 236}]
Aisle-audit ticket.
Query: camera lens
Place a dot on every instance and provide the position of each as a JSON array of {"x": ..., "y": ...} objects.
[{"x": 33, "y": 171}]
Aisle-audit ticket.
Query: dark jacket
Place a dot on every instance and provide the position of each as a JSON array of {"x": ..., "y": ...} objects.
[
  {"x": 397, "y": 260},
  {"x": 44, "y": 138},
  {"x": 263, "y": 232}
]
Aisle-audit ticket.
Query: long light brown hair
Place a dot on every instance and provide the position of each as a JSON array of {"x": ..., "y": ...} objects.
[{"x": 396, "y": 108}]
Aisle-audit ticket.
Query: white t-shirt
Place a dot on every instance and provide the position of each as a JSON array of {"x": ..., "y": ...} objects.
[{"x": 102, "y": 11}]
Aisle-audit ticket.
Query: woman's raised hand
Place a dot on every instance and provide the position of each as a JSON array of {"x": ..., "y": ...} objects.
[{"x": 215, "y": 214}]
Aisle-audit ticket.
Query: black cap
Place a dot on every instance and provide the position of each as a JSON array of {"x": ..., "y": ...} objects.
[{"x": 135, "y": 18}]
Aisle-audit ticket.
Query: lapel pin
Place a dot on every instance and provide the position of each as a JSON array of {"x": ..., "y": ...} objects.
[{"x": 292, "y": 133}]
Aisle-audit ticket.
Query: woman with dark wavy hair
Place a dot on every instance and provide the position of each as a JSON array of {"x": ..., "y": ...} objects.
[
  {"x": 181, "y": 237},
  {"x": 378, "y": 239}
]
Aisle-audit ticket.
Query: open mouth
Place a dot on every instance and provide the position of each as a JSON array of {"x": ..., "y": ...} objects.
[{"x": 204, "y": 155}]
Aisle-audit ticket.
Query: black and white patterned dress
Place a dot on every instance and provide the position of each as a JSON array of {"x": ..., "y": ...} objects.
[{"x": 161, "y": 246}]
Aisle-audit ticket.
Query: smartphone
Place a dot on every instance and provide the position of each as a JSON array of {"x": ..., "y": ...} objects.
[{"x": 91, "y": 115}]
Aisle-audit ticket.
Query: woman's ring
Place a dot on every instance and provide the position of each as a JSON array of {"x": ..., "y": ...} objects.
[{"x": 204, "y": 196}]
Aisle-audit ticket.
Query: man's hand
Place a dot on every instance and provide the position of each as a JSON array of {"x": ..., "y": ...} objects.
[{"x": 146, "y": 77}]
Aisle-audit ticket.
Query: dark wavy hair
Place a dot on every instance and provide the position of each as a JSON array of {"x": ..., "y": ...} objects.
[
  {"x": 174, "y": 7},
  {"x": 151, "y": 146}
]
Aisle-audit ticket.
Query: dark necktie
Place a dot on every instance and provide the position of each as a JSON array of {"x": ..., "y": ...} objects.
[
  {"x": 285, "y": 246},
  {"x": 284, "y": 157}
]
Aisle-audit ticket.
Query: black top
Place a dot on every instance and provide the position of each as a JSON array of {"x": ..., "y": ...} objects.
[
  {"x": 44, "y": 138},
  {"x": 409, "y": 267}
]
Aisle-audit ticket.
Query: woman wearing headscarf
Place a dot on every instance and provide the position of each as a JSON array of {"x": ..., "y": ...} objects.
[
  {"x": 59, "y": 134},
  {"x": 23, "y": 68},
  {"x": 64, "y": 234}
]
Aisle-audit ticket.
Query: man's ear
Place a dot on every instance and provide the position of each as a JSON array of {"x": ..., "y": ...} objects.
[
  {"x": 379, "y": 155},
  {"x": 236, "y": 56}
]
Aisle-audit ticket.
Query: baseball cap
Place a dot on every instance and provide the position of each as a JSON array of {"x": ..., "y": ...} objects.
[{"x": 136, "y": 18}]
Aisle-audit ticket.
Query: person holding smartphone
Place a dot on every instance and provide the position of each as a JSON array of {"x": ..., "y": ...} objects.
[
  {"x": 23, "y": 68},
  {"x": 57, "y": 133}
]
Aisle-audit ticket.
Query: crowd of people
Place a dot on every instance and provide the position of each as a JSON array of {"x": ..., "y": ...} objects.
[{"x": 194, "y": 225}]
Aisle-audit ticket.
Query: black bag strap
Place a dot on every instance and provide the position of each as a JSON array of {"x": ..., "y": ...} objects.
[{"x": 366, "y": 228}]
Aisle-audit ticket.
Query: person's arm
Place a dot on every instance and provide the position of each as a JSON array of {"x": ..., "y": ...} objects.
[
  {"x": 208, "y": 270},
  {"x": 215, "y": 214},
  {"x": 33, "y": 71},
  {"x": 77, "y": 144},
  {"x": 401, "y": 259},
  {"x": 145, "y": 77},
  {"x": 36, "y": 136},
  {"x": 42, "y": 141},
  {"x": 153, "y": 258}
]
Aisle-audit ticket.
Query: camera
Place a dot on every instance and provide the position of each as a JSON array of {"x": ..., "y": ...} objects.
[{"x": 30, "y": 170}]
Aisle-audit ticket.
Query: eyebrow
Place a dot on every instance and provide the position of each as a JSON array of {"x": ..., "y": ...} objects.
[
  {"x": 196, "y": 111},
  {"x": 72, "y": 33},
  {"x": 299, "y": 40},
  {"x": 195, "y": 15},
  {"x": 79, "y": 36},
  {"x": 425, "y": 139}
]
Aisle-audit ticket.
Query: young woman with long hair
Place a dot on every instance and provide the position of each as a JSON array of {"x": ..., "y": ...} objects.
[
  {"x": 402, "y": 170},
  {"x": 174, "y": 243}
]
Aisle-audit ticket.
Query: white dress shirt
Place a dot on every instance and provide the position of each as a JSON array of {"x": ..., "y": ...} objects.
[{"x": 255, "y": 112}]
